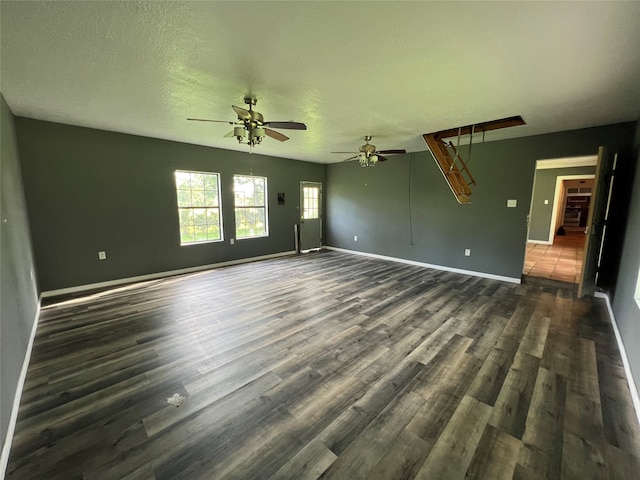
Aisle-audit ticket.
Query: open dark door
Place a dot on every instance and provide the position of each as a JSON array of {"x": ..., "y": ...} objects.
[{"x": 596, "y": 222}]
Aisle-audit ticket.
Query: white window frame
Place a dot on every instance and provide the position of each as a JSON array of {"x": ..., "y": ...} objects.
[
  {"x": 637, "y": 295},
  {"x": 237, "y": 207},
  {"x": 204, "y": 206}
]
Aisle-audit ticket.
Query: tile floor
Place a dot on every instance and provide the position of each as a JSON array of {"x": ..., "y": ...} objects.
[{"x": 560, "y": 261}]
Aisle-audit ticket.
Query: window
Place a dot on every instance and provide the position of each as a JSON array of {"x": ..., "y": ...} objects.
[
  {"x": 251, "y": 206},
  {"x": 198, "y": 207},
  {"x": 310, "y": 202}
]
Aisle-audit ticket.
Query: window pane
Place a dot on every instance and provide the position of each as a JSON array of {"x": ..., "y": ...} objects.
[
  {"x": 184, "y": 198},
  {"x": 197, "y": 198},
  {"x": 213, "y": 216},
  {"x": 187, "y": 235},
  {"x": 213, "y": 232},
  {"x": 201, "y": 233},
  {"x": 197, "y": 181},
  {"x": 186, "y": 217},
  {"x": 310, "y": 202},
  {"x": 199, "y": 216},
  {"x": 211, "y": 182},
  {"x": 183, "y": 180},
  {"x": 195, "y": 191},
  {"x": 250, "y": 206},
  {"x": 211, "y": 198}
]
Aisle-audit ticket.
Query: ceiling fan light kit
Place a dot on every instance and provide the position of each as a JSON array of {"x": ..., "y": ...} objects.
[
  {"x": 367, "y": 161},
  {"x": 239, "y": 133},
  {"x": 252, "y": 128}
]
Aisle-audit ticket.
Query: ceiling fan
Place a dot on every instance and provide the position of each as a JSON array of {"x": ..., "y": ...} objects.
[
  {"x": 252, "y": 127},
  {"x": 368, "y": 156}
]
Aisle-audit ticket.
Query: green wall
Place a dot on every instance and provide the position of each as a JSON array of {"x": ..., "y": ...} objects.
[
  {"x": 544, "y": 189},
  {"x": 19, "y": 293},
  {"x": 91, "y": 190},
  {"x": 403, "y": 208}
]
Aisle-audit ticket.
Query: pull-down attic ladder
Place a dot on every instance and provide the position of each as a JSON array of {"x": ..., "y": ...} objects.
[{"x": 451, "y": 164}]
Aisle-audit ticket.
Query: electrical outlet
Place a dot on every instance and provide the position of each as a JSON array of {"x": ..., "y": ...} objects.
[
  {"x": 355, "y": 238},
  {"x": 546, "y": 202},
  {"x": 102, "y": 255},
  {"x": 467, "y": 252},
  {"x": 232, "y": 241},
  {"x": 512, "y": 203}
]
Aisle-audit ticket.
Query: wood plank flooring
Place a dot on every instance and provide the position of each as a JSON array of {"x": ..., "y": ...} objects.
[{"x": 326, "y": 366}]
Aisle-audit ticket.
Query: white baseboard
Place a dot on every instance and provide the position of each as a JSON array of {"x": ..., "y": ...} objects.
[
  {"x": 541, "y": 242},
  {"x": 6, "y": 446},
  {"x": 428, "y": 265},
  {"x": 153, "y": 276},
  {"x": 623, "y": 353}
]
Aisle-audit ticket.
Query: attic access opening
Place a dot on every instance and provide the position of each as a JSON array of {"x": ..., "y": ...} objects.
[{"x": 448, "y": 158}]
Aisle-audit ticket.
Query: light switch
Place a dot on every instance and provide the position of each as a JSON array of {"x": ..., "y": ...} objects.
[
  {"x": 102, "y": 255},
  {"x": 546, "y": 202},
  {"x": 512, "y": 203}
]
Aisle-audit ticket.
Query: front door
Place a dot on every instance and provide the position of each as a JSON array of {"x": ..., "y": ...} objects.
[
  {"x": 310, "y": 215},
  {"x": 602, "y": 184}
]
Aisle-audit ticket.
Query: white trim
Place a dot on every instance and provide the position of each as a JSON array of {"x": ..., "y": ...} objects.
[
  {"x": 542, "y": 242},
  {"x": 428, "y": 265},
  {"x": 623, "y": 353},
  {"x": 557, "y": 197},
  {"x": 6, "y": 446},
  {"x": 637, "y": 293},
  {"x": 153, "y": 276},
  {"x": 586, "y": 161}
]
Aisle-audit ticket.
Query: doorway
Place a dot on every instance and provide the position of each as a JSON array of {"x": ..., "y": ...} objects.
[
  {"x": 310, "y": 215},
  {"x": 560, "y": 205}
]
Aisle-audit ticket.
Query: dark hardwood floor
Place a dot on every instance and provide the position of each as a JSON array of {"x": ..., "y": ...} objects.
[{"x": 326, "y": 366}]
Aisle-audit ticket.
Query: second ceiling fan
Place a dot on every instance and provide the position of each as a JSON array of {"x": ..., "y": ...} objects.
[{"x": 368, "y": 155}]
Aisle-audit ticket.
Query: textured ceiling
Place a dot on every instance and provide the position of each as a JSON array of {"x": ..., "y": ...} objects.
[{"x": 393, "y": 70}]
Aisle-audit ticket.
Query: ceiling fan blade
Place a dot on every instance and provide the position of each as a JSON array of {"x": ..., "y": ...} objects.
[
  {"x": 381, "y": 158},
  {"x": 214, "y": 121},
  {"x": 230, "y": 134},
  {"x": 390, "y": 152},
  {"x": 287, "y": 125},
  {"x": 345, "y": 152},
  {"x": 275, "y": 135},
  {"x": 243, "y": 113},
  {"x": 351, "y": 158}
]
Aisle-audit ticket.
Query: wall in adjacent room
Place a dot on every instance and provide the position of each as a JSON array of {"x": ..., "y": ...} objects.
[
  {"x": 19, "y": 292},
  {"x": 403, "y": 207},
  {"x": 544, "y": 189},
  {"x": 92, "y": 190}
]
